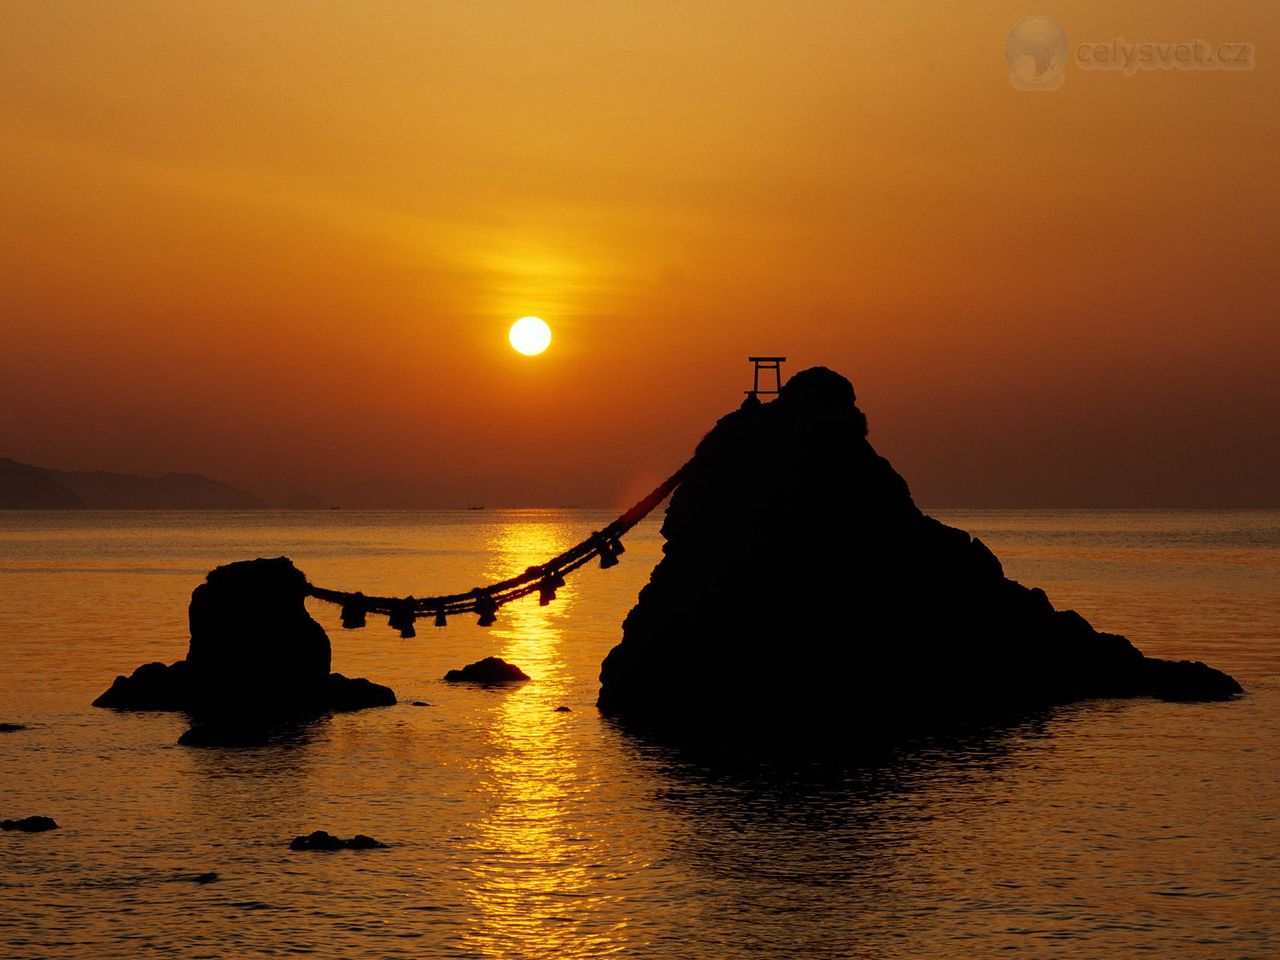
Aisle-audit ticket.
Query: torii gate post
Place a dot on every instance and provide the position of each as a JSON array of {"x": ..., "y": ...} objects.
[{"x": 768, "y": 365}]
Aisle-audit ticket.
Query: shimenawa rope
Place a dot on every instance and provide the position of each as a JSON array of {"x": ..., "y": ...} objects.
[{"x": 545, "y": 578}]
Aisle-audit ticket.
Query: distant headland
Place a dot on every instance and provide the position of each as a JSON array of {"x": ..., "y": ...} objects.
[{"x": 27, "y": 487}]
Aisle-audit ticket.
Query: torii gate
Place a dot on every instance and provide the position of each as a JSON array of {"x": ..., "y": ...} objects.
[{"x": 768, "y": 365}]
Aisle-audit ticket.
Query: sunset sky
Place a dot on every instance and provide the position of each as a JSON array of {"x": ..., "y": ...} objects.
[{"x": 281, "y": 244}]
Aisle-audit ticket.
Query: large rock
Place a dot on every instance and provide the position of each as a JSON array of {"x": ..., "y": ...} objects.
[
  {"x": 252, "y": 641},
  {"x": 800, "y": 585},
  {"x": 256, "y": 657}
]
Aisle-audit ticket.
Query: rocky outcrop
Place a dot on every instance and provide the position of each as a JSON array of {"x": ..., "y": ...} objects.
[
  {"x": 490, "y": 671},
  {"x": 152, "y": 686},
  {"x": 29, "y": 824},
  {"x": 801, "y": 587},
  {"x": 321, "y": 840},
  {"x": 256, "y": 658},
  {"x": 253, "y": 644}
]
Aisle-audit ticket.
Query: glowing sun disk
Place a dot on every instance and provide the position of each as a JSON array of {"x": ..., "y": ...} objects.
[{"x": 530, "y": 336}]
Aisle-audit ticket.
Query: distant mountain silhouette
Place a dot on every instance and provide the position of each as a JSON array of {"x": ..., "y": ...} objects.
[{"x": 26, "y": 487}]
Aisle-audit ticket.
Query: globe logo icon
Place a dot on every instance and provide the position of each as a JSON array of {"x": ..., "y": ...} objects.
[{"x": 1036, "y": 49}]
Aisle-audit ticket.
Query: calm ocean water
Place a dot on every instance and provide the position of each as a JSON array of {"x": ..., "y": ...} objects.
[{"x": 1108, "y": 829}]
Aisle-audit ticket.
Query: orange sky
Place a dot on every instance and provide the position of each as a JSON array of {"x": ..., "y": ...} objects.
[{"x": 281, "y": 244}]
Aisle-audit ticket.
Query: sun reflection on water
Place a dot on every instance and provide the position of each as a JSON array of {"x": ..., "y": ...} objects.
[{"x": 532, "y": 889}]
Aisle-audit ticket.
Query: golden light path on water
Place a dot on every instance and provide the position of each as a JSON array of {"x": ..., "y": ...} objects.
[{"x": 531, "y": 887}]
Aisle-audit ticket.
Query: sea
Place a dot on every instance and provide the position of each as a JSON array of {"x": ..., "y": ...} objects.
[{"x": 1105, "y": 829}]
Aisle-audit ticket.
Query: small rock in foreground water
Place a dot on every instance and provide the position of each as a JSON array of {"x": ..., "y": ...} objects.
[
  {"x": 490, "y": 670},
  {"x": 322, "y": 840},
  {"x": 208, "y": 877},
  {"x": 29, "y": 824}
]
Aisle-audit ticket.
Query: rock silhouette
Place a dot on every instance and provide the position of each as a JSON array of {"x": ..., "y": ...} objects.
[
  {"x": 152, "y": 686},
  {"x": 256, "y": 658},
  {"x": 29, "y": 824},
  {"x": 802, "y": 587},
  {"x": 321, "y": 840},
  {"x": 488, "y": 672}
]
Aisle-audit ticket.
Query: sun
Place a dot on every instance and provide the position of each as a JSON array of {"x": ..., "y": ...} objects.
[{"x": 530, "y": 336}]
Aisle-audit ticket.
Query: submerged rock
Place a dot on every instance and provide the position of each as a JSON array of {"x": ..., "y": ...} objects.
[
  {"x": 321, "y": 840},
  {"x": 201, "y": 878},
  {"x": 489, "y": 671},
  {"x": 801, "y": 587},
  {"x": 30, "y": 824},
  {"x": 256, "y": 657}
]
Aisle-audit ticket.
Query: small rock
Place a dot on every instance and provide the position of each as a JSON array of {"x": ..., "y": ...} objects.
[
  {"x": 563, "y": 709},
  {"x": 317, "y": 840},
  {"x": 356, "y": 693},
  {"x": 208, "y": 877},
  {"x": 419, "y": 703},
  {"x": 489, "y": 671},
  {"x": 29, "y": 824},
  {"x": 12, "y": 727},
  {"x": 322, "y": 840}
]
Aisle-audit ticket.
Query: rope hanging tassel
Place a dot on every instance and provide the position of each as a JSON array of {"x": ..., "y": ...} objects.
[
  {"x": 603, "y": 547},
  {"x": 353, "y": 613},
  {"x": 545, "y": 579},
  {"x": 402, "y": 618},
  {"x": 487, "y": 607},
  {"x": 547, "y": 587}
]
